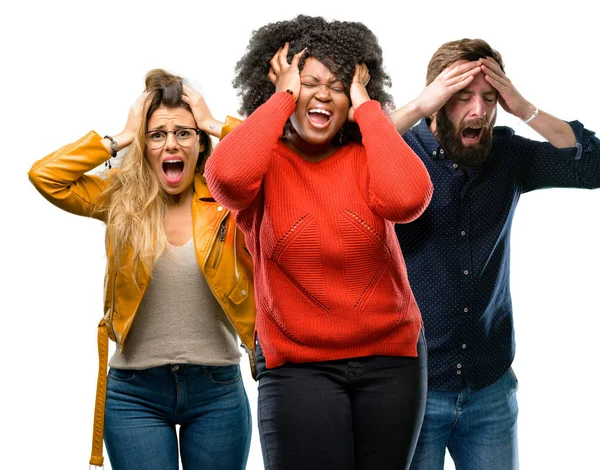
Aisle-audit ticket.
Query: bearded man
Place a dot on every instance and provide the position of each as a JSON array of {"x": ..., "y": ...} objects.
[{"x": 457, "y": 253}]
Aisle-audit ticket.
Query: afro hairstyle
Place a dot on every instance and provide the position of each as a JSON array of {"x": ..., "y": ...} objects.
[{"x": 339, "y": 45}]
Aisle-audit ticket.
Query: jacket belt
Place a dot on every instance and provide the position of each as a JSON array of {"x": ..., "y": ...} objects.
[{"x": 98, "y": 436}]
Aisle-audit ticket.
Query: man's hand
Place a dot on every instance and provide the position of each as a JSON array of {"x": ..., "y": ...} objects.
[
  {"x": 452, "y": 79},
  {"x": 509, "y": 98}
]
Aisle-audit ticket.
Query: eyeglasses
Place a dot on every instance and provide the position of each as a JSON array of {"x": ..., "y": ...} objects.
[{"x": 185, "y": 136}]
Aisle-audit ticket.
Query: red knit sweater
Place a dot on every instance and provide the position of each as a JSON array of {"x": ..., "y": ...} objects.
[{"x": 330, "y": 278}]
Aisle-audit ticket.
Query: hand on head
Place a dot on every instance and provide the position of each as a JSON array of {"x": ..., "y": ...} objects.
[
  {"x": 509, "y": 98},
  {"x": 452, "y": 79},
  {"x": 134, "y": 121},
  {"x": 358, "y": 89},
  {"x": 283, "y": 75},
  {"x": 202, "y": 114}
]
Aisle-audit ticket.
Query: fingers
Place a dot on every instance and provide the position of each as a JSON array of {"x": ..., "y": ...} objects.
[
  {"x": 361, "y": 74},
  {"x": 356, "y": 77},
  {"x": 283, "y": 53},
  {"x": 461, "y": 67},
  {"x": 491, "y": 64},
  {"x": 140, "y": 100},
  {"x": 278, "y": 65},
  {"x": 296, "y": 58}
]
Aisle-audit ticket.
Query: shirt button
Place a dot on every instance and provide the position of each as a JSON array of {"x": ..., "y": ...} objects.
[
  {"x": 220, "y": 208},
  {"x": 175, "y": 368},
  {"x": 464, "y": 346},
  {"x": 441, "y": 151},
  {"x": 466, "y": 272},
  {"x": 457, "y": 372},
  {"x": 434, "y": 153},
  {"x": 463, "y": 233},
  {"x": 243, "y": 292},
  {"x": 466, "y": 309},
  {"x": 455, "y": 165},
  {"x": 458, "y": 366}
]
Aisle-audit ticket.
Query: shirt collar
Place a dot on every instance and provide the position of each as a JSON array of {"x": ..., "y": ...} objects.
[{"x": 428, "y": 140}]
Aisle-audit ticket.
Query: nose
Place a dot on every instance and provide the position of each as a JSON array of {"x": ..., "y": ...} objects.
[
  {"x": 478, "y": 109},
  {"x": 323, "y": 92},
  {"x": 171, "y": 141}
]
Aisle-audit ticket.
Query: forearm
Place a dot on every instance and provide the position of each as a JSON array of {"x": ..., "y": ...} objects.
[
  {"x": 60, "y": 177},
  {"x": 406, "y": 117},
  {"x": 399, "y": 186},
  {"x": 212, "y": 127},
  {"x": 554, "y": 130}
]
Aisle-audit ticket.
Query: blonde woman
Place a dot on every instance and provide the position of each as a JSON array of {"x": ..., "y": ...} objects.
[{"x": 178, "y": 286}]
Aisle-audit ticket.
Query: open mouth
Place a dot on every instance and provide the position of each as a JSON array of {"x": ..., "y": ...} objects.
[
  {"x": 472, "y": 134},
  {"x": 173, "y": 170},
  {"x": 319, "y": 117}
]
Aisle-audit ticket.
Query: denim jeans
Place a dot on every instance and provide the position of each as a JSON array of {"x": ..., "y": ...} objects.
[
  {"x": 208, "y": 402},
  {"x": 479, "y": 427},
  {"x": 360, "y": 413}
]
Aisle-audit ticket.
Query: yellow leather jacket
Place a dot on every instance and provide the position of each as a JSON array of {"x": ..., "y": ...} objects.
[{"x": 220, "y": 250}]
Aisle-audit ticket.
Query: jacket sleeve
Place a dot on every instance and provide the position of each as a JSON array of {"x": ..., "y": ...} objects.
[
  {"x": 399, "y": 186},
  {"x": 235, "y": 170},
  {"x": 60, "y": 177},
  {"x": 541, "y": 165}
]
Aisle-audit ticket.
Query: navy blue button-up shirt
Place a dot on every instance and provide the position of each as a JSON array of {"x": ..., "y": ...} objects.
[{"x": 457, "y": 253}]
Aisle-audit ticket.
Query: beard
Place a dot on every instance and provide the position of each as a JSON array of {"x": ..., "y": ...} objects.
[{"x": 450, "y": 138}]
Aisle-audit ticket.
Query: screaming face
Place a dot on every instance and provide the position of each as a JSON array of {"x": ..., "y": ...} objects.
[
  {"x": 464, "y": 125},
  {"x": 321, "y": 109},
  {"x": 175, "y": 161}
]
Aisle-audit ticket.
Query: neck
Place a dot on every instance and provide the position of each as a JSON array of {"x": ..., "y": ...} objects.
[
  {"x": 182, "y": 199},
  {"x": 308, "y": 151}
]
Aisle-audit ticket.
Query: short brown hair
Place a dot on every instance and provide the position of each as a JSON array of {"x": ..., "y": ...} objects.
[{"x": 469, "y": 49}]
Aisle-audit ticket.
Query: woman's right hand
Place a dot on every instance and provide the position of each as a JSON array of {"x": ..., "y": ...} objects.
[
  {"x": 283, "y": 75},
  {"x": 134, "y": 121}
]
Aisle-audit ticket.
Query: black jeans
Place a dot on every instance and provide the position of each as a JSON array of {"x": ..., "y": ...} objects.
[{"x": 352, "y": 414}]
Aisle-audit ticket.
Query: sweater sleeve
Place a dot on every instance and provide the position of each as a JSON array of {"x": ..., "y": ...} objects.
[
  {"x": 399, "y": 186},
  {"x": 60, "y": 177},
  {"x": 235, "y": 170}
]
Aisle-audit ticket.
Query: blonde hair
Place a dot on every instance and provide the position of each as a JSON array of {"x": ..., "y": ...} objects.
[{"x": 134, "y": 205}]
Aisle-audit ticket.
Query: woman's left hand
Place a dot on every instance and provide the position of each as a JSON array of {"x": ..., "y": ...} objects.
[
  {"x": 202, "y": 115},
  {"x": 358, "y": 89}
]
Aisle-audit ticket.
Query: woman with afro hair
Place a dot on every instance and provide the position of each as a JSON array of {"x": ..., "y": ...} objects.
[{"x": 316, "y": 177}]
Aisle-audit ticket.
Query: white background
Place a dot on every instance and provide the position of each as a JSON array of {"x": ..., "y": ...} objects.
[{"x": 72, "y": 67}]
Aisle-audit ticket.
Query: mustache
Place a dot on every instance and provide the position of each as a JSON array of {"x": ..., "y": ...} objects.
[{"x": 479, "y": 122}]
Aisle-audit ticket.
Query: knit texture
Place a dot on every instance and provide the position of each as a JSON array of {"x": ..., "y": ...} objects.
[{"x": 331, "y": 282}]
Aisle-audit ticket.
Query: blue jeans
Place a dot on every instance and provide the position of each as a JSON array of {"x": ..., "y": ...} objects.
[
  {"x": 208, "y": 402},
  {"x": 479, "y": 427}
]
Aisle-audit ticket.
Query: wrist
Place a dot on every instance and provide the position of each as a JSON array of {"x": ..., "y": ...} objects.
[
  {"x": 417, "y": 110},
  {"x": 527, "y": 112},
  {"x": 124, "y": 139},
  {"x": 211, "y": 126}
]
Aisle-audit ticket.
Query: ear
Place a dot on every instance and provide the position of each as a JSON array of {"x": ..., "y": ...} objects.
[{"x": 433, "y": 124}]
